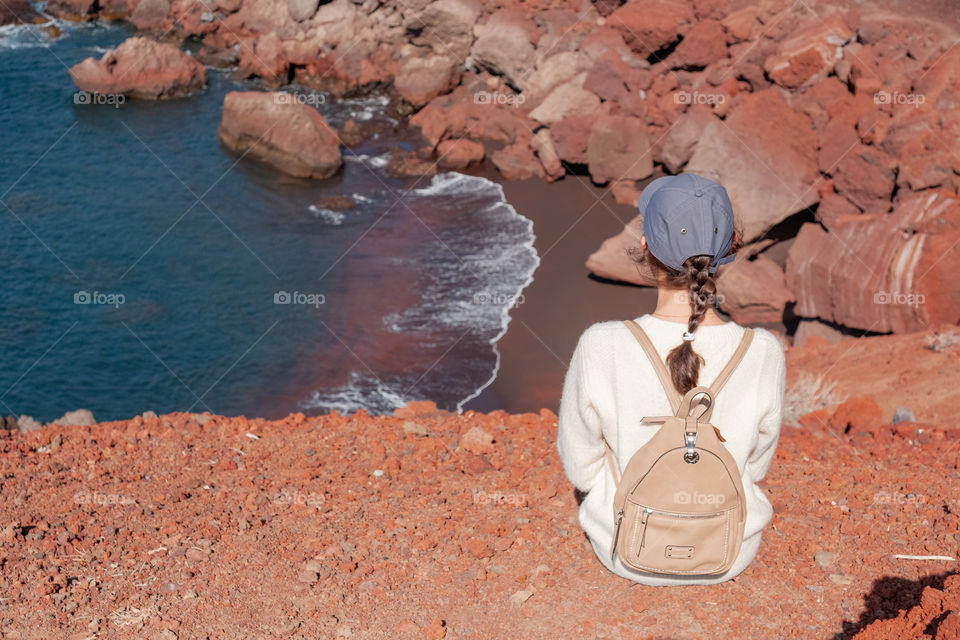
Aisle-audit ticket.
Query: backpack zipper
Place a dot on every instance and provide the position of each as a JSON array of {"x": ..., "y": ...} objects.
[
  {"x": 677, "y": 514},
  {"x": 647, "y": 511},
  {"x": 616, "y": 534},
  {"x": 643, "y": 521}
]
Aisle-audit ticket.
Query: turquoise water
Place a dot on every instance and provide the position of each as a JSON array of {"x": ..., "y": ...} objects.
[{"x": 142, "y": 263}]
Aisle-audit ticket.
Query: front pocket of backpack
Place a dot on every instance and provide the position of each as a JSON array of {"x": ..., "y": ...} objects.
[{"x": 674, "y": 542}]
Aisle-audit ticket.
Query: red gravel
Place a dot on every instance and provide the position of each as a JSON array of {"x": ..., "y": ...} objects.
[{"x": 186, "y": 527}]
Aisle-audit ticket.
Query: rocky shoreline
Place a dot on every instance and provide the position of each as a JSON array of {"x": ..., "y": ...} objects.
[
  {"x": 888, "y": 378},
  {"x": 833, "y": 130}
]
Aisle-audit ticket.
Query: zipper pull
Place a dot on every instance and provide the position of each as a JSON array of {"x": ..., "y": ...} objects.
[
  {"x": 643, "y": 521},
  {"x": 616, "y": 534}
]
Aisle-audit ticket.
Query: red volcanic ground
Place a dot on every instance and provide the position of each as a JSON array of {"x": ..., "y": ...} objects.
[{"x": 428, "y": 524}]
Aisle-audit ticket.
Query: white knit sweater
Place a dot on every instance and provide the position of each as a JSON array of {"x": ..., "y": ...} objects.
[{"x": 610, "y": 386}]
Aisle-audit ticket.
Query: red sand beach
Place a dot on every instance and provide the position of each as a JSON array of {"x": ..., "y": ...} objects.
[{"x": 563, "y": 299}]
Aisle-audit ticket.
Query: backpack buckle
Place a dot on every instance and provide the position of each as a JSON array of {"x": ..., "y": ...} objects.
[{"x": 690, "y": 456}]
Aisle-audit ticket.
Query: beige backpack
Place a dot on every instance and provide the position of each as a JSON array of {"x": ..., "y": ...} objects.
[{"x": 679, "y": 506}]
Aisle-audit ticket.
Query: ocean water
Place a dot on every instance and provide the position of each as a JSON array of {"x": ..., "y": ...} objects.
[{"x": 147, "y": 268}]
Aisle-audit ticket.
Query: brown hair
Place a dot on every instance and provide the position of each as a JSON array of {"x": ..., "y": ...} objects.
[{"x": 682, "y": 361}]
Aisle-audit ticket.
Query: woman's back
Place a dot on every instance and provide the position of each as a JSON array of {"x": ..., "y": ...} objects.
[{"x": 611, "y": 386}]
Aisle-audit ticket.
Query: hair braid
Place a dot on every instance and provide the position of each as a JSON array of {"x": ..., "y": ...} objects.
[{"x": 684, "y": 363}]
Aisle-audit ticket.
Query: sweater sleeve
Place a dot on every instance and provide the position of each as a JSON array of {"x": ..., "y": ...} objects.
[
  {"x": 579, "y": 438},
  {"x": 769, "y": 428}
]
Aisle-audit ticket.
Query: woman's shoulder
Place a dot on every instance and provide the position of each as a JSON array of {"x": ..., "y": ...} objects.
[
  {"x": 603, "y": 331},
  {"x": 769, "y": 342},
  {"x": 607, "y": 332}
]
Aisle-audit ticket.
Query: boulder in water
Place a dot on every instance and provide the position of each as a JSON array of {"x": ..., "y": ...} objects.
[
  {"x": 141, "y": 68},
  {"x": 274, "y": 128}
]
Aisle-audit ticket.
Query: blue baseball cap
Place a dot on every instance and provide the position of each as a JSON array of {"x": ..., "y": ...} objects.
[{"x": 687, "y": 215}]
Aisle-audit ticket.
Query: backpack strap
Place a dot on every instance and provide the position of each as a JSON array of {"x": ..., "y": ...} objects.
[
  {"x": 725, "y": 373},
  {"x": 658, "y": 365},
  {"x": 667, "y": 383},
  {"x": 735, "y": 359},
  {"x": 612, "y": 462}
]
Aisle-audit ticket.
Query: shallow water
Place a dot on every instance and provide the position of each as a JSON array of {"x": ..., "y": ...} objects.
[{"x": 145, "y": 267}]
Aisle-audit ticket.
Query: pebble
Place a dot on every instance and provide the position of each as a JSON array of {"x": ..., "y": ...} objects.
[
  {"x": 824, "y": 559},
  {"x": 436, "y": 630},
  {"x": 477, "y": 441},
  {"x": 415, "y": 428},
  {"x": 520, "y": 597},
  {"x": 196, "y": 555},
  {"x": 902, "y": 414},
  {"x": 307, "y": 577}
]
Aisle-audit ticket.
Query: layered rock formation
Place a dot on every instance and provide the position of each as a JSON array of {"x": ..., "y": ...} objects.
[
  {"x": 882, "y": 272},
  {"x": 275, "y": 129}
]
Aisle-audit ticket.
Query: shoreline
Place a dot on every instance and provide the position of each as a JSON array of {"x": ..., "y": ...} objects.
[{"x": 562, "y": 299}]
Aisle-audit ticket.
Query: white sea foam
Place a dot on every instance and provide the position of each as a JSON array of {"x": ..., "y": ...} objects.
[
  {"x": 29, "y": 35},
  {"x": 486, "y": 280},
  {"x": 472, "y": 274},
  {"x": 362, "y": 391},
  {"x": 24, "y": 36},
  {"x": 327, "y": 215},
  {"x": 452, "y": 183},
  {"x": 377, "y": 162},
  {"x": 368, "y": 108}
]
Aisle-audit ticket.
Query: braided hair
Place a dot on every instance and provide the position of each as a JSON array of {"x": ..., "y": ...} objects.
[{"x": 683, "y": 362}]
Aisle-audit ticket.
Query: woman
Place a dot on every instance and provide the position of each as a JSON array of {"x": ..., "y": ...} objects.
[{"x": 611, "y": 385}]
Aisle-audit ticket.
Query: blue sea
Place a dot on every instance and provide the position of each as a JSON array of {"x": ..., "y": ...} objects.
[{"x": 147, "y": 268}]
